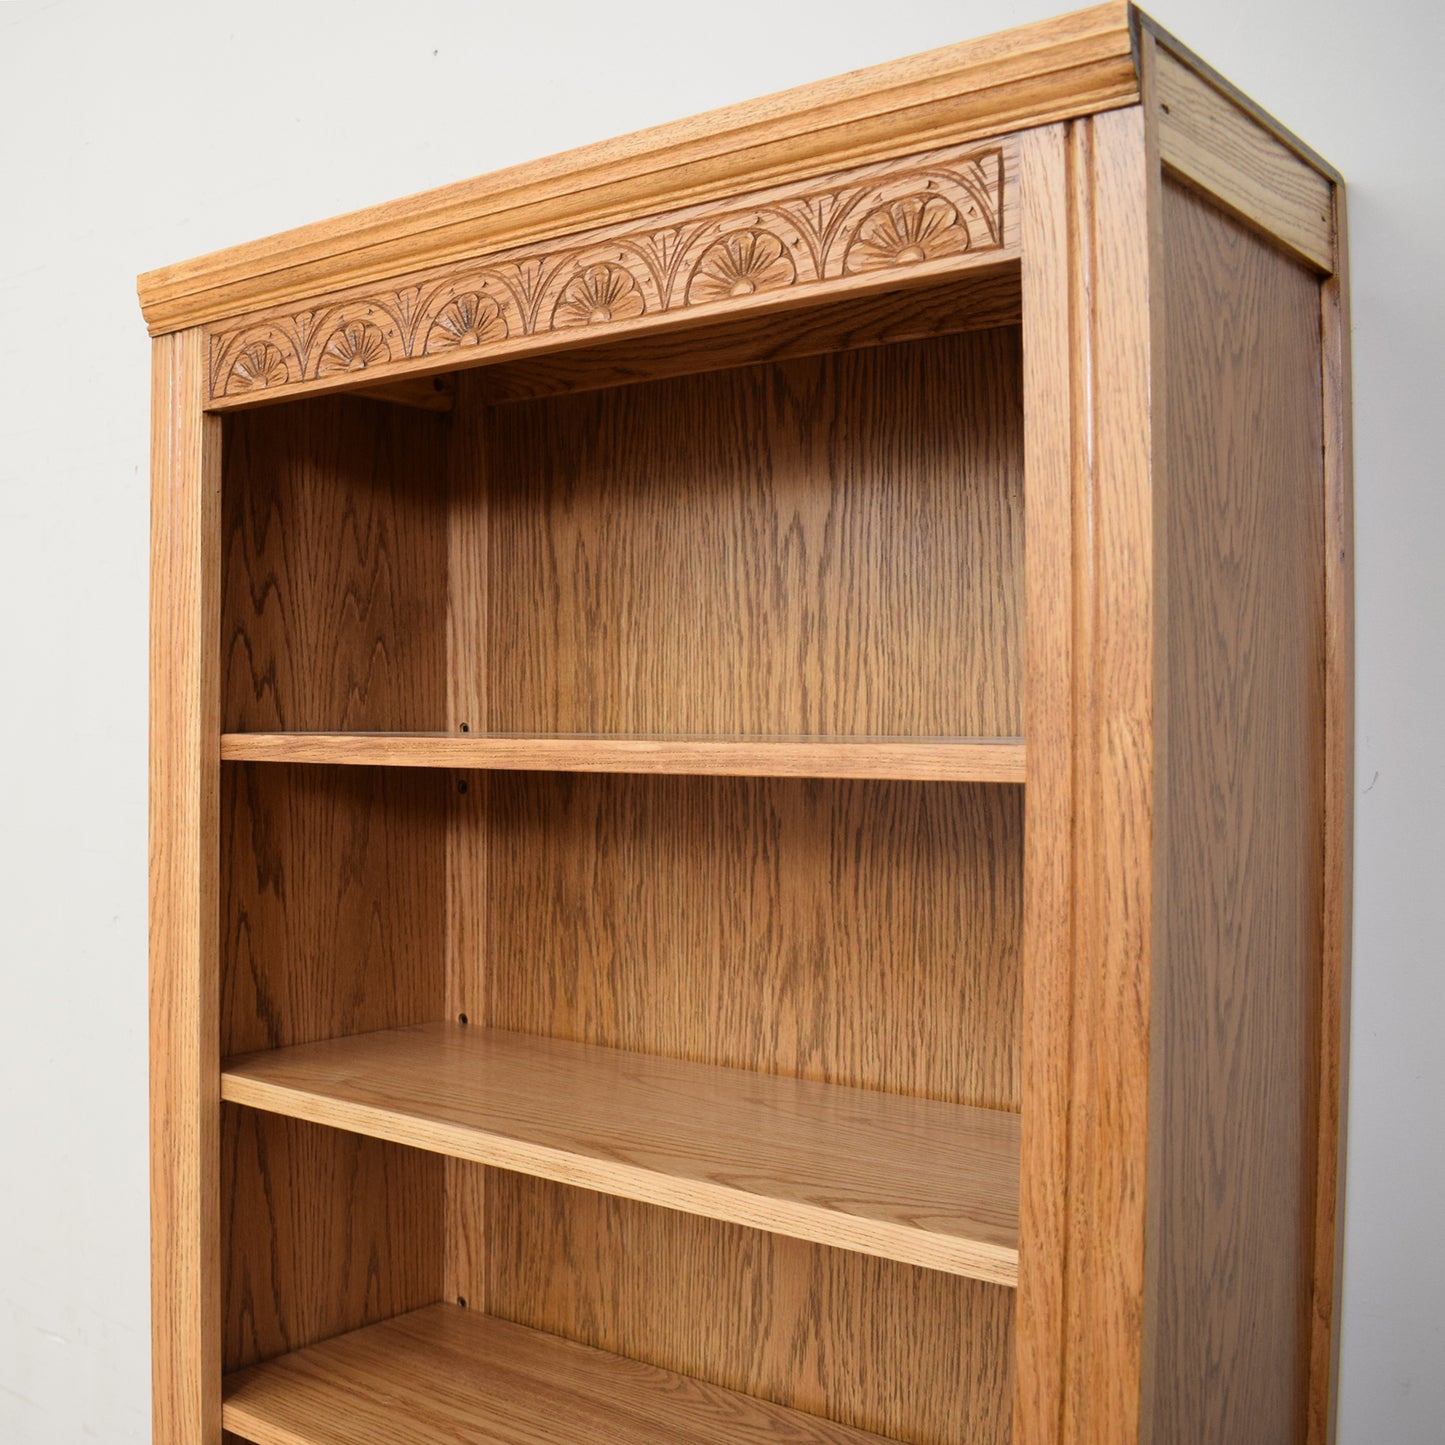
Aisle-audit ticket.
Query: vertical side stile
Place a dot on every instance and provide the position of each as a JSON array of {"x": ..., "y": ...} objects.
[
  {"x": 1339, "y": 839},
  {"x": 1055, "y": 447},
  {"x": 1089, "y": 211},
  {"x": 184, "y": 880}
]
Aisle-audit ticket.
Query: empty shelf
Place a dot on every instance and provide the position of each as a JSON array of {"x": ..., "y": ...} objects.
[
  {"x": 981, "y": 760},
  {"x": 913, "y": 1180},
  {"x": 449, "y": 1376}
]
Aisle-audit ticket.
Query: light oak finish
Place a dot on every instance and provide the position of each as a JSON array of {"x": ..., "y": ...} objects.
[
  {"x": 1058, "y": 242},
  {"x": 184, "y": 978},
  {"x": 1236, "y": 1013},
  {"x": 335, "y": 560},
  {"x": 1216, "y": 146},
  {"x": 324, "y": 1232},
  {"x": 843, "y": 600},
  {"x": 746, "y": 573},
  {"x": 859, "y": 933},
  {"x": 849, "y": 1336},
  {"x": 979, "y": 760},
  {"x": 978, "y": 299},
  {"x": 1337, "y": 929},
  {"x": 901, "y": 223},
  {"x": 906, "y": 1179},
  {"x": 1028, "y": 76},
  {"x": 448, "y": 1376}
]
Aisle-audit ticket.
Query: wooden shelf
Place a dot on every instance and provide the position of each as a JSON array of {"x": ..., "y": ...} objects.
[
  {"x": 449, "y": 1376},
  {"x": 978, "y": 760},
  {"x": 913, "y": 1180}
]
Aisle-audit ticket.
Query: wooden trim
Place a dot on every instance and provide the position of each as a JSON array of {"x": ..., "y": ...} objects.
[
  {"x": 906, "y": 221},
  {"x": 1148, "y": 27},
  {"x": 1032, "y": 75},
  {"x": 1339, "y": 845},
  {"x": 906, "y": 1179},
  {"x": 184, "y": 879},
  {"x": 1210, "y": 142},
  {"x": 1055, "y": 459},
  {"x": 972, "y": 760}
]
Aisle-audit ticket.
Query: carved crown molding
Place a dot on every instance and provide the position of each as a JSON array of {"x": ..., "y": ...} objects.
[
  {"x": 924, "y": 214},
  {"x": 980, "y": 89}
]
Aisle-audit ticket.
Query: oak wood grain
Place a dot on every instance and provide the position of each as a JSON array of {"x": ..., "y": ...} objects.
[
  {"x": 996, "y": 760},
  {"x": 1028, "y": 76},
  {"x": 1217, "y": 147},
  {"x": 913, "y": 1354},
  {"x": 829, "y": 545},
  {"x": 907, "y": 1179},
  {"x": 1056, "y": 236},
  {"x": 467, "y": 901},
  {"x": 325, "y": 1231},
  {"x": 861, "y": 933},
  {"x": 183, "y": 898},
  {"x": 335, "y": 557},
  {"x": 1338, "y": 803},
  {"x": 1233, "y": 1146},
  {"x": 448, "y": 1376},
  {"x": 332, "y": 902},
  {"x": 978, "y": 300}
]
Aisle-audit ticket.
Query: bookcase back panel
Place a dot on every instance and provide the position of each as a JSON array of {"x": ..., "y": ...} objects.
[
  {"x": 332, "y": 902},
  {"x": 322, "y": 1232},
  {"x": 827, "y": 545},
  {"x": 909, "y": 1353},
  {"x": 863, "y": 933},
  {"x": 333, "y": 589}
]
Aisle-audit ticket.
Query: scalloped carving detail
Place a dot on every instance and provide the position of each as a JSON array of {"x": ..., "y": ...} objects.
[
  {"x": 467, "y": 321},
  {"x": 887, "y": 217}
]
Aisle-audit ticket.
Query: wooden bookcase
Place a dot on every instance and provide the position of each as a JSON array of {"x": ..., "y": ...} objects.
[{"x": 750, "y": 781}]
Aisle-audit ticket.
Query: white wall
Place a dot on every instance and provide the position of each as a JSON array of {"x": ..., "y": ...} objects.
[{"x": 131, "y": 136}]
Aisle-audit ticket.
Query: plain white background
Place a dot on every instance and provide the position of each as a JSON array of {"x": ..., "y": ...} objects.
[{"x": 135, "y": 135}]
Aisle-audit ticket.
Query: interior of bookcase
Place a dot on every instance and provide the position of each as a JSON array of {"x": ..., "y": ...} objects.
[{"x": 799, "y": 1181}]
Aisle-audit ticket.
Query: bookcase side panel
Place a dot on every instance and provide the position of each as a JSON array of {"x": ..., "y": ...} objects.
[{"x": 1239, "y": 963}]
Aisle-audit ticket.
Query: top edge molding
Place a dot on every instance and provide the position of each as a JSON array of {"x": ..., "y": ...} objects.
[{"x": 1078, "y": 64}]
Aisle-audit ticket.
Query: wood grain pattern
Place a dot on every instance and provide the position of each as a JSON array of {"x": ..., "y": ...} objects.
[
  {"x": 977, "y": 300},
  {"x": 853, "y": 933},
  {"x": 1338, "y": 804},
  {"x": 183, "y": 909},
  {"x": 995, "y": 760},
  {"x": 742, "y": 573},
  {"x": 332, "y": 902},
  {"x": 1086, "y": 1034},
  {"x": 907, "y": 221},
  {"x": 332, "y": 923},
  {"x": 324, "y": 1232},
  {"x": 335, "y": 557},
  {"x": 1053, "y": 184},
  {"x": 446, "y": 1376},
  {"x": 467, "y": 903},
  {"x": 907, "y": 1179},
  {"x": 910, "y": 1353},
  {"x": 1241, "y": 789},
  {"x": 1027, "y": 76},
  {"x": 1217, "y": 147}
]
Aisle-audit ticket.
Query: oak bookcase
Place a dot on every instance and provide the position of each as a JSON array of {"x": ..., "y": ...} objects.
[{"x": 750, "y": 781}]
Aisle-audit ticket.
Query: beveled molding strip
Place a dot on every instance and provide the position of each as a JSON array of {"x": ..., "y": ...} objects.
[{"x": 880, "y": 225}]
